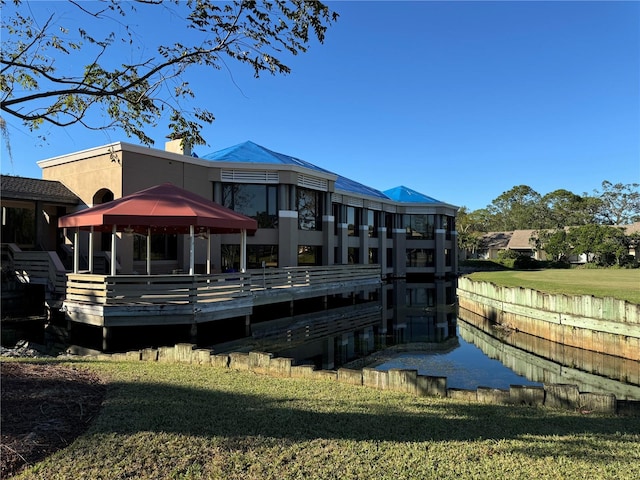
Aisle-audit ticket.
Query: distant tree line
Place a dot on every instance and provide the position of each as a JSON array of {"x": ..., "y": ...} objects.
[{"x": 565, "y": 223}]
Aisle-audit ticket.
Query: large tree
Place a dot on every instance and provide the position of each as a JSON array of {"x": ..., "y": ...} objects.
[
  {"x": 517, "y": 209},
  {"x": 562, "y": 208},
  {"x": 43, "y": 82},
  {"x": 620, "y": 203}
]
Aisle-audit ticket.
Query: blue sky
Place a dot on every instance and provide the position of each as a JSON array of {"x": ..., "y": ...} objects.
[{"x": 459, "y": 100}]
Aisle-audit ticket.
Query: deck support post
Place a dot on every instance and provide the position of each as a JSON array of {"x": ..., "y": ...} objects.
[
  {"x": 193, "y": 333},
  {"x": 106, "y": 336},
  {"x": 247, "y": 325}
]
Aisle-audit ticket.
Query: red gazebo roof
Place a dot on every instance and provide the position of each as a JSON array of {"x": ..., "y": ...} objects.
[{"x": 164, "y": 209}]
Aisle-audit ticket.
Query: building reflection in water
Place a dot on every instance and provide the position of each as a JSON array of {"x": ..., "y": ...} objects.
[
  {"x": 423, "y": 317},
  {"x": 397, "y": 313}
]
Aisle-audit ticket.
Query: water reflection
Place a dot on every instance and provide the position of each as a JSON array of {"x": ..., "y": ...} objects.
[
  {"x": 415, "y": 326},
  {"x": 549, "y": 362}
]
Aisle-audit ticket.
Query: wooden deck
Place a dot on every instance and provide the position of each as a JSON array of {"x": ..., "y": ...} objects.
[{"x": 128, "y": 300}]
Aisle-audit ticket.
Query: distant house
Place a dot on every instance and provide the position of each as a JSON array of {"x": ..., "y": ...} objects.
[
  {"x": 492, "y": 243},
  {"x": 520, "y": 241}
]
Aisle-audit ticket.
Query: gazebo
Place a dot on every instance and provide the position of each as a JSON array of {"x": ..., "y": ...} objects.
[{"x": 163, "y": 209}]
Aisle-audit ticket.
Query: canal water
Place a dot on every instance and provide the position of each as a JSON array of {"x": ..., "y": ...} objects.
[
  {"x": 443, "y": 342},
  {"x": 465, "y": 366}
]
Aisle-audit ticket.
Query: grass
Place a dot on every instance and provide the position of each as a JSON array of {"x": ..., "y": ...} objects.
[
  {"x": 623, "y": 284},
  {"x": 195, "y": 422}
]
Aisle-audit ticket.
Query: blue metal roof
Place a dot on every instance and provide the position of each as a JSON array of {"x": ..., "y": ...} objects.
[
  {"x": 406, "y": 195},
  {"x": 348, "y": 185},
  {"x": 249, "y": 152}
]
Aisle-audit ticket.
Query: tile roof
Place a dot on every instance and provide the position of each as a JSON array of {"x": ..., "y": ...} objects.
[
  {"x": 495, "y": 240},
  {"x": 520, "y": 240},
  {"x": 34, "y": 189}
]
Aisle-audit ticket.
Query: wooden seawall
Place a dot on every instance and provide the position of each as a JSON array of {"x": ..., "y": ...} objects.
[{"x": 603, "y": 325}]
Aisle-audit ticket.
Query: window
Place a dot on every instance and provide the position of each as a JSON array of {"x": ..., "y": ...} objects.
[
  {"x": 163, "y": 247},
  {"x": 309, "y": 255},
  {"x": 373, "y": 256},
  {"x": 256, "y": 254},
  {"x": 419, "y": 227},
  {"x": 353, "y": 255},
  {"x": 420, "y": 257},
  {"x": 18, "y": 226},
  {"x": 353, "y": 221},
  {"x": 230, "y": 257},
  {"x": 373, "y": 221},
  {"x": 388, "y": 223},
  {"x": 448, "y": 223},
  {"x": 256, "y": 201},
  {"x": 337, "y": 218},
  {"x": 309, "y": 209}
]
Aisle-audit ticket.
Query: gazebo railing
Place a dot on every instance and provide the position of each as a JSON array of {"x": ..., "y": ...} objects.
[
  {"x": 186, "y": 289},
  {"x": 155, "y": 289}
]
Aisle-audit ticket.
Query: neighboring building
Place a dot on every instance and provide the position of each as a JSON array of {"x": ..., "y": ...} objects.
[
  {"x": 520, "y": 241},
  {"x": 30, "y": 211}
]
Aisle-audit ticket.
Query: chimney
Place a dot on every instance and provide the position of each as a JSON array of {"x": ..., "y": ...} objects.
[{"x": 176, "y": 146}]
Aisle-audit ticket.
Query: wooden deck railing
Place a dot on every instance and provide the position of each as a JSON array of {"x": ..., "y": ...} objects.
[
  {"x": 311, "y": 276},
  {"x": 186, "y": 289},
  {"x": 39, "y": 267}
]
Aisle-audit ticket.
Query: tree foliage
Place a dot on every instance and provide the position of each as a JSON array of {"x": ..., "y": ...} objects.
[
  {"x": 619, "y": 203},
  {"x": 42, "y": 82},
  {"x": 516, "y": 209}
]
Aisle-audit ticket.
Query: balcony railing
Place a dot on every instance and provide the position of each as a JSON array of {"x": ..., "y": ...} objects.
[{"x": 191, "y": 289}]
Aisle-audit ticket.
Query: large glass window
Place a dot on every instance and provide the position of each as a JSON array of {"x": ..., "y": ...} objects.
[
  {"x": 419, "y": 227},
  {"x": 255, "y": 201},
  {"x": 354, "y": 255},
  {"x": 256, "y": 254},
  {"x": 448, "y": 223},
  {"x": 420, "y": 257},
  {"x": 309, "y": 255},
  {"x": 373, "y": 221},
  {"x": 337, "y": 218},
  {"x": 309, "y": 209},
  {"x": 353, "y": 221},
  {"x": 163, "y": 247},
  {"x": 373, "y": 256},
  {"x": 18, "y": 226},
  {"x": 389, "y": 224}
]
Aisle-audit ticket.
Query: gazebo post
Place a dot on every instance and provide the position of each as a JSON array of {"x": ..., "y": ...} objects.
[
  {"x": 208, "y": 251},
  {"x": 243, "y": 250},
  {"x": 76, "y": 250},
  {"x": 191, "y": 247},
  {"x": 113, "y": 249},
  {"x": 149, "y": 251},
  {"x": 91, "y": 250}
]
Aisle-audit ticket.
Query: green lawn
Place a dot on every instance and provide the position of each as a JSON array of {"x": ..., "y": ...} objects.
[
  {"x": 618, "y": 283},
  {"x": 163, "y": 421}
]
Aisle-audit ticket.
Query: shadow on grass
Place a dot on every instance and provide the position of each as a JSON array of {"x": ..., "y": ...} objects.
[{"x": 136, "y": 407}]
